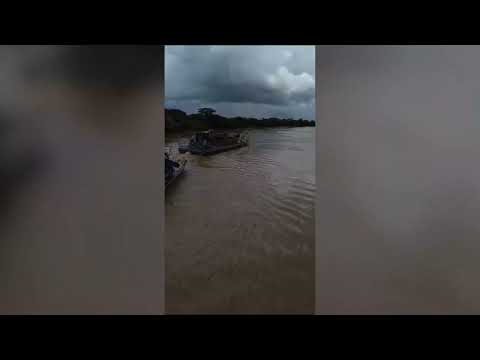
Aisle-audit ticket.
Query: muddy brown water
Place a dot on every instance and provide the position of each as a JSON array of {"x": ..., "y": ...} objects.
[{"x": 240, "y": 228}]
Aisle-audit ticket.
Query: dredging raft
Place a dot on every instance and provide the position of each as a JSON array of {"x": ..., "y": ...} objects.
[{"x": 213, "y": 142}]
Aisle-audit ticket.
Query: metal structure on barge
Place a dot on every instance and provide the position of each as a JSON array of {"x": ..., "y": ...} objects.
[{"x": 213, "y": 142}]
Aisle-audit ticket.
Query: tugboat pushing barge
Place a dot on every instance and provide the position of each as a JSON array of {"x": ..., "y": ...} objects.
[{"x": 213, "y": 142}]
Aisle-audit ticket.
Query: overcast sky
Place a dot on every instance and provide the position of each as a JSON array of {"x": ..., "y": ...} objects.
[{"x": 256, "y": 81}]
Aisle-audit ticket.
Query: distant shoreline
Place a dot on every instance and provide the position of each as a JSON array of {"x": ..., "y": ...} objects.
[
  {"x": 179, "y": 121},
  {"x": 189, "y": 132}
]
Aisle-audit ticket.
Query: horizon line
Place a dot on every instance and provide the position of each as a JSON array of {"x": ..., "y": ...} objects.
[{"x": 247, "y": 117}]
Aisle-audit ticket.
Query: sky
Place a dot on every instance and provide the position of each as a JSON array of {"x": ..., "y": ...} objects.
[{"x": 250, "y": 81}]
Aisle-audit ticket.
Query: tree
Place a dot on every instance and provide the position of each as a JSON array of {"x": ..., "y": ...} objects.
[{"x": 206, "y": 112}]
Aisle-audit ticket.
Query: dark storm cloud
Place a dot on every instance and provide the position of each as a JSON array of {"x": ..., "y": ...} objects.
[{"x": 265, "y": 80}]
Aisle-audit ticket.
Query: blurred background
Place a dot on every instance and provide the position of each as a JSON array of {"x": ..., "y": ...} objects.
[
  {"x": 81, "y": 181},
  {"x": 398, "y": 182}
]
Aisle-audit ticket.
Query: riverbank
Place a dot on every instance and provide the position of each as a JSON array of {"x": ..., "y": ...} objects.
[{"x": 177, "y": 120}]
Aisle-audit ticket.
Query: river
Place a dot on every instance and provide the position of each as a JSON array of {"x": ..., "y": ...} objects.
[{"x": 240, "y": 229}]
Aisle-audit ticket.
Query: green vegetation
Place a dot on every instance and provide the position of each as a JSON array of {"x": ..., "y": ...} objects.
[{"x": 207, "y": 119}]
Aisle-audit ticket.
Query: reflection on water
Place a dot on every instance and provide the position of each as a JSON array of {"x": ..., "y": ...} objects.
[{"x": 240, "y": 228}]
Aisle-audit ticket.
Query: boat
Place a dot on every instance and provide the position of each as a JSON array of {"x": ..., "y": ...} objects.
[
  {"x": 213, "y": 142},
  {"x": 177, "y": 171}
]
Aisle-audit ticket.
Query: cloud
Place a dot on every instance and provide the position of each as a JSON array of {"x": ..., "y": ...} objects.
[
  {"x": 265, "y": 80},
  {"x": 292, "y": 86}
]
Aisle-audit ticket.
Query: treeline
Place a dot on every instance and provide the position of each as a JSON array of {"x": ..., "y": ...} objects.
[{"x": 207, "y": 119}]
